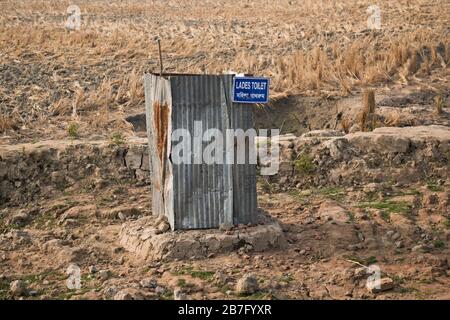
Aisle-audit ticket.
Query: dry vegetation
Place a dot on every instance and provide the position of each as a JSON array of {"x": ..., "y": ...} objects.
[{"x": 49, "y": 74}]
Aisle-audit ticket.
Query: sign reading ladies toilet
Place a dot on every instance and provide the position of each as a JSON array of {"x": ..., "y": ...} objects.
[{"x": 250, "y": 90}]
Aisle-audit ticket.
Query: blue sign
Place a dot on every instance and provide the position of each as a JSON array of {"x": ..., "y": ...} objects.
[{"x": 250, "y": 90}]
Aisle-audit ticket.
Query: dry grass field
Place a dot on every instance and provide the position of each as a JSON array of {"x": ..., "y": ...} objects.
[
  {"x": 371, "y": 189},
  {"x": 315, "y": 48}
]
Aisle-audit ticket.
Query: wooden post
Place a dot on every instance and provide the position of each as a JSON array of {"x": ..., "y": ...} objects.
[{"x": 367, "y": 117}]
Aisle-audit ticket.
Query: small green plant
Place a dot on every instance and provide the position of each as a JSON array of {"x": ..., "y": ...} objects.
[
  {"x": 334, "y": 193},
  {"x": 168, "y": 295},
  {"x": 45, "y": 220},
  {"x": 447, "y": 223},
  {"x": 117, "y": 138},
  {"x": 386, "y": 216},
  {"x": 299, "y": 196},
  {"x": 398, "y": 279},
  {"x": 203, "y": 275},
  {"x": 4, "y": 289},
  {"x": 181, "y": 283},
  {"x": 388, "y": 207},
  {"x": 72, "y": 130},
  {"x": 224, "y": 288},
  {"x": 439, "y": 244},
  {"x": 351, "y": 216},
  {"x": 304, "y": 164},
  {"x": 433, "y": 186},
  {"x": 371, "y": 260}
]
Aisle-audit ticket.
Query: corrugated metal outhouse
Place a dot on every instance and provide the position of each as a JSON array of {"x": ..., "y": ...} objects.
[{"x": 195, "y": 196}]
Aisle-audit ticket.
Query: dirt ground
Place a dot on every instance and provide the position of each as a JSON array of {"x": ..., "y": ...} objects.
[
  {"x": 72, "y": 90},
  {"x": 320, "y": 261}
]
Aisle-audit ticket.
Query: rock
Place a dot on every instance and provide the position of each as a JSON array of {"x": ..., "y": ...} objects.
[
  {"x": 420, "y": 248},
  {"x": 138, "y": 237},
  {"x": 372, "y": 187},
  {"x": 399, "y": 244},
  {"x": 248, "y": 284},
  {"x": 396, "y": 236},
  {"x": 104, "y": 275},
  {"x": 349, "y": 293},
  {"x": 430, "y": 200},
  {"x": 360, "y": 273},
  {"x": 123, "y": 213},
  {"x": 371, "y": 243},
  {"x": 355, "y": 247},
  {"x": 129, "y": 294},
  {"x": 148, "y": 283},
  {"x": 18, "y": 288},
  {"x": 305, "y": 193},
  {"x": 329, "y": 209},
  {"x": 110, "y": 292},
  {"x": 221, "y": 278},
  {"x": 322, "y": 133},
  {"x": 100, "y": 183},
  {"x": 379, "y": 285},
  {"x": 390, "y": 233},
  {"x": 433, "y": 261},
  {"x": 178, "y": 294},
  {"x": 309, "y": 220},
  {"x": 92, "y": 269},
  {"x": 33, "y": 293},
  {"x": 354, "y": 128},
  {"x": 163, "y": 227},
  {"x": 361, "y": 236},
  {"x": 225, "y": 227},
  {"x": 379, "y": 142},
  {"x": 160, "y": 290},
  {"x": 319, "y": 294},
  {"x": 19, "y": 236},
  {"x": 20, "y": 219},
  {"x": 77, "y": 212}
]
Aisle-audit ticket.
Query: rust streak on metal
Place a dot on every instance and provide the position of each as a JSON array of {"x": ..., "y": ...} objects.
[{"x": 161, "y": 118}]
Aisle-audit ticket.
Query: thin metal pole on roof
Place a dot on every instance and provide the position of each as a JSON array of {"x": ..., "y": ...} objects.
[{"x": 160, "y": 58}]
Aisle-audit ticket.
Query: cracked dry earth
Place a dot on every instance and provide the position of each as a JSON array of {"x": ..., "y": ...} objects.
[{"x": 330, "y": 233}]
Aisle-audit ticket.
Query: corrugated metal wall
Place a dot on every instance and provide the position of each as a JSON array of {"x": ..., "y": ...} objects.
[{"x": 199, "y": 195}]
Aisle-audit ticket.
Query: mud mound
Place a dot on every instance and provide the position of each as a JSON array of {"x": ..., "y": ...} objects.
[
  {"x": 29, "y": 171},
  {"x": 146, "y": 239},
  {"x": 398, "y": 155}
]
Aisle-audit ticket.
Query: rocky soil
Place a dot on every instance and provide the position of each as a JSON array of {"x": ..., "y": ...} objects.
[
  {"x": 337, "y": 234},
  {"x": 399, "y": 156}
]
